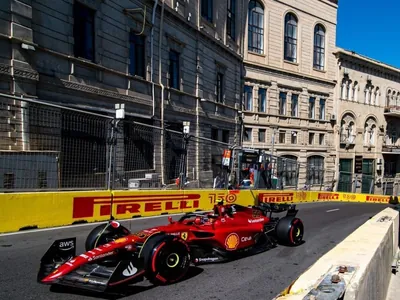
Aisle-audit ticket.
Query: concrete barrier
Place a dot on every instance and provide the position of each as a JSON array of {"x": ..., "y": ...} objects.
[{"x": 359, "y": 267}]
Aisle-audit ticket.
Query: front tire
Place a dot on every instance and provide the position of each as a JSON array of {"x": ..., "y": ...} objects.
[
  {"x": 103, "y": 234},
  {"x": 290, "y": 231},
  {"x": 166, "y": 259}
]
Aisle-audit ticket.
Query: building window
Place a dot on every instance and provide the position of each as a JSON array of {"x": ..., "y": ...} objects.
[
  {"x": 248, "y": 98},
  {"x": 294, "y": 137},
  {"x": 225, "y": 136},
  {"x": 290, "y": 38},
  {"x": 319, "y": 47},
  {"x": 220, "y": 87},
  {"x": 137, "y": 54},
  {"x": 315, "y": 170},
  {"x": 295, "y": 105},
  {"x": 282, "y": 137},
  {"x": 174, "y": 70},
  {"x": 322, "y": 109},
  {"x": 321, "y": 139},
  {"x": 282, "y": 103},
  {"x": 248, "y": 135},
  {"x": 83, "y": 31},
  {"x": 311, "y": 138},
  {"x": 214, "y": 134},
  {"x": 262, "y": 100},
  {"x": 261, "y": 135},
  {"x": 311, "y": 108},
  {"x": 8, "y": 181},
  {"x": 207, "y": 9},
  {"x": 256, "y": 27},
  {"x": 230, "y": 22}
]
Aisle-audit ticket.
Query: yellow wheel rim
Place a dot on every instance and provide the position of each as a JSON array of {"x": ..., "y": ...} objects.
[{"x": 172, "y": 260}]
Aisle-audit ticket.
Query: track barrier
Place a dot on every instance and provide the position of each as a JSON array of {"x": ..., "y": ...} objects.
[
  {"x": 359, "y": 268},
  {"x": 21, "y": 211}
]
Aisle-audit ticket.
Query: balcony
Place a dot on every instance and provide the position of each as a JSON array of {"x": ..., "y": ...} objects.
[
  {"x": 390, "y": 149},
  {"x": 392, "y": 111}
]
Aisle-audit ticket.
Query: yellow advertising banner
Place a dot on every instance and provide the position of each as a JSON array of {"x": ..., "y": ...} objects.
[{"x": 20, "y": 211}]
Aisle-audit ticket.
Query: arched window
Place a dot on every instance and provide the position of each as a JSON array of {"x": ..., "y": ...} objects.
[
  {"x": 290, "y": 37},
  {"x": 315, "y": 170},
  {"x": 319, "y": 47},
  {"x": 256, "y": 27}
]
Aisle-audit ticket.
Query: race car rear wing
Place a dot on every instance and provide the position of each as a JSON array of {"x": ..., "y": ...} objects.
[{"x": 278, "y": 208}]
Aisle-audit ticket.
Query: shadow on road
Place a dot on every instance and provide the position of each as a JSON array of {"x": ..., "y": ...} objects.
[{"x": 120, "y": 293}]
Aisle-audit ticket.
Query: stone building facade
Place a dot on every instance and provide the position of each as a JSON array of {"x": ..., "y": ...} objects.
[
  {"x": 168, "y": 61},
  {"x": 289, "y": 78},
  {"x": 367, "y": 133}
]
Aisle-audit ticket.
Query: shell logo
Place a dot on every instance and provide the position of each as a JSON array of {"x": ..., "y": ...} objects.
[{"x": 232, "y": 241}]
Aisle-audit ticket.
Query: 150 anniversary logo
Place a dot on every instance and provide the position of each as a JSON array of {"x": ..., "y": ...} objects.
[{"x": 87, "y": 207}]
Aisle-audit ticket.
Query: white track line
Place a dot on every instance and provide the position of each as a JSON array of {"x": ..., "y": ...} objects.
[
  {"x": 89, "y": 224},
  {"x": 331, "y": 210}
]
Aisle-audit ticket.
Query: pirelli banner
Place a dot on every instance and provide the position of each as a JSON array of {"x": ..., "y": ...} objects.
[{"x": 19, "y": 211}]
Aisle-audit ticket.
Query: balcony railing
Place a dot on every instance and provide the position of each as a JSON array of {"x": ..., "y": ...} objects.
[
  {"x": 395, "y": 149},
  {"x": 392, "y": 110}
]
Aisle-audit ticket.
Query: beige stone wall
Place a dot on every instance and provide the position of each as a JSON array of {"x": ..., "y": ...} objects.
[
  {"x": 271, "y": 71},
  {"x": 366, "y": 90}
]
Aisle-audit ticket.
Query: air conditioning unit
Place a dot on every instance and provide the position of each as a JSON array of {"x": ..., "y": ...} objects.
[
  {"x": 379, "y": 167},
  {"x": 379, "y": 161},
  {"x": 333, "y": 117}
]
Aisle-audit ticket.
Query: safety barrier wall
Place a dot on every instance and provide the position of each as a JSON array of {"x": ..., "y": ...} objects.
[
  {"x": 360, "y": 266},
  {"x": 19, "y": 211}
]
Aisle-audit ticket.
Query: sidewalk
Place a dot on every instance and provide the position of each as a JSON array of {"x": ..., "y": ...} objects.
[{"x": 394, "y": 286}]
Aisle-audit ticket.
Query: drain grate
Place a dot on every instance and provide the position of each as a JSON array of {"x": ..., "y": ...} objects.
[{"x": 333, "y": 285}]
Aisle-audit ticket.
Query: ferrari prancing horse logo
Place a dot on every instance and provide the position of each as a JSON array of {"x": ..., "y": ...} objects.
[
  {"x": 232, "y": 241},
  {"x": 184, "y": 236}
]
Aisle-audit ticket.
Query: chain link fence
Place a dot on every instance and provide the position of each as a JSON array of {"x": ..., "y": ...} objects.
[
  {"x": 47, "y": 147},
  {"x": 44, "y": 146},
  {"x": 356, "y": 183}
]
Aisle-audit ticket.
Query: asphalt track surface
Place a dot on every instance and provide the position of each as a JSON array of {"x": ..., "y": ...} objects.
[{"x": 260, "y": 276}]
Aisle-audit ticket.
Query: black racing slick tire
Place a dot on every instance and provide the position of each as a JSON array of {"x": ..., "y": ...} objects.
[
  {"x": 290, "y": 231},
  {"x": 166, "y": 259},
  {"x": 103, "y": 234}
]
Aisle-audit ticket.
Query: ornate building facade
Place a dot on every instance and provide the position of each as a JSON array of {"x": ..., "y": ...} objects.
[
  {"x": 289, "y": 79},
  {"x": 168, "y": 61},
  {"x": 367, "y": 132}
]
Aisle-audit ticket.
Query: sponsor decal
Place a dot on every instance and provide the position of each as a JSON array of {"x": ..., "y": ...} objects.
[
  {"x": 256, "y": 213},
  {"x": 102, "y": 255},
  {"x": 141, "y": 234},
  {"x": 184, "y": 236},
  {"x": 246, "y": 239},
  {"x": 379, "y": 199},
  {"x": 206, "y": 259},
  {"x": 328, "y": 196},
  {"x": 232, "y": 241},
  {"x": 130, "y": 270},
  {"x": 87, "y": 207},
  {"x": 84, "y": 256},
  {"x": 301, "y": 196},
  {"x": 121, "y": 240},
  {"x": 175, "y": 233},
  {"x": 129, "y": 247},
  {"x": 66, "y": 245},
  {"x": 255, "y": 220},
  {"x": 276, "y": 197},
  {"x": 349, "y": 197},
  {"x": 228, "y": 198}
]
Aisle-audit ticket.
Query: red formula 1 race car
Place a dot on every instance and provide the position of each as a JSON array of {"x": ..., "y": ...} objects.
[{"x": 116, "y": 257}]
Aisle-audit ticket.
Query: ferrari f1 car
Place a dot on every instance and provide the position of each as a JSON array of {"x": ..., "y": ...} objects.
[{"x": 115, "y": 256}]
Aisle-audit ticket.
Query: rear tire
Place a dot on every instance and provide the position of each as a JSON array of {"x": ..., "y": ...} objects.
[
  {"x": 104, "y": 234},
  {"x": 290, "y": 231},
  {"x": 166, "y": 259}
]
